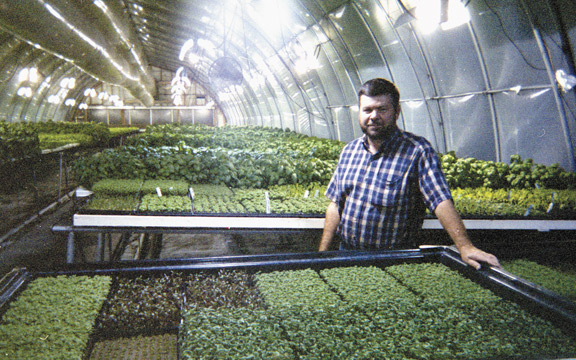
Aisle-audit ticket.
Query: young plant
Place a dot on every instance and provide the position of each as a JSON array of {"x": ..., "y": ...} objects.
[{"x": 52, "y": 318}]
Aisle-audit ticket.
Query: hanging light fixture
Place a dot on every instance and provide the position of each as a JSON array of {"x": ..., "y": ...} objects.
[
  {"x": 565, "y": 80},
  {"x": 406, "y": 17}
]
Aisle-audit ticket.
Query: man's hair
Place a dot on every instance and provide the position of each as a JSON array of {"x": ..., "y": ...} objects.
[{"x": 378, "y": 86}]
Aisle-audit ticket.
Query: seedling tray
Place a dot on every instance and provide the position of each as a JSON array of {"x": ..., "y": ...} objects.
[{"x": 531, "y": 297}]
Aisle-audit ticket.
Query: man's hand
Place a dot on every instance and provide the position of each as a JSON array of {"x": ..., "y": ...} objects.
[
  {"x": 473, "y": 256},
  {"x": 451, "y": 221}
]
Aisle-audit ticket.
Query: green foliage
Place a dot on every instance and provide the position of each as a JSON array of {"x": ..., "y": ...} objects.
[
  {"x": 486, "y": 208},
  {"x": 335, "y": 332},
  {"x": 519, "y": 174},
  {"x": 295, "y": 288},
  {"x": 17, "y": 141},
  {"x": 108, "y": 164},
  {"x": 52, "y": 318},
  {"x": 217, "y": 204},
  {"x": 167, "y": 187},
  {"x": 415, "y": 311},
  {"x": 515, "y": 202},
  {"x": 98, "y": 132},
  {"x": 258, "y": 166},
  {"x": 249, "y": 138},
  {"x": 367, "y": 287},
  {"x": 117, "y": 187},
  {"x": 407, "y": 311},
  {"x": 211, "y": 190},
  {"x": 53, "y": 141},
  {"x": 169, "y": 203},
  {"x": 285, "y": 199},
  {"x": 26, "y": 139},
  {"x": 112, "y": 203},
  {"x": 122, "y": 130},
  {"x": 561, "y": 282},
  {"x": 237, "y": 333},
  {"x": 440, "y": 283},
  {"x": 292, "y": 199}
]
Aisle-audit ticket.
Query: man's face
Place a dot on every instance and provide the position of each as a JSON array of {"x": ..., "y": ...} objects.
[{"x": 377, "y": 116}]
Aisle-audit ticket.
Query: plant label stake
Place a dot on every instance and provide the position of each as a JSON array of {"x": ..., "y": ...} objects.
[
  {"x": 551, "y": 204},
  {"x": 191, "y": 198},
  {"x": 159, "y": 192},
  {"x": 267, "y": 202}
]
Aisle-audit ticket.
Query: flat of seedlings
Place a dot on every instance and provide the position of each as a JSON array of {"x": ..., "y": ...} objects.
[
  {"x": 411, "y": 304},
  {"x": 160, "y": 347}
]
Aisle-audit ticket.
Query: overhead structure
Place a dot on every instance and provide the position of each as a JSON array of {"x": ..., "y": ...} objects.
[{"x": 485, "y": 78}]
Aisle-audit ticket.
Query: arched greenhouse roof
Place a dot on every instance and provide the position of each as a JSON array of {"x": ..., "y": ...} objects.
[{"x": 485, "y": 78}]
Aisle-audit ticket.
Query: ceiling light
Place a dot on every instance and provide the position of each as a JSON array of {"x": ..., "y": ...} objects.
[{"x": 25, "y": 91}]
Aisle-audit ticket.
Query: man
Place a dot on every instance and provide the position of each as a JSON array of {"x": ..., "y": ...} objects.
[{"x": 385, "y": 180}]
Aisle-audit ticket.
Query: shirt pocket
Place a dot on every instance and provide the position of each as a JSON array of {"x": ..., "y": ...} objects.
[{"x": 386, "y": 192}]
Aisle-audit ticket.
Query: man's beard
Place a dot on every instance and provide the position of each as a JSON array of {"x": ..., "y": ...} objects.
[{"x": 381, "y": 134}]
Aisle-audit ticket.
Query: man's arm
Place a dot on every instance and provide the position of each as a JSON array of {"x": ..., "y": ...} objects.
[
  {"x": 452, "y": 223},
  {"x": 330, "y": 225}
]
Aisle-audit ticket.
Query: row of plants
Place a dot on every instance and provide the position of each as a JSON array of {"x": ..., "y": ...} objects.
[
  {"x": 518, "y": 174},
  {"x": 254, "y": 139},
  {"x": 56, "y": 134},
  {"x": 406, "y": 311},
  {"x": 243, "y": 156},
  {"x": 21, "y": 140},
  {"x": 235, "y": 168},
  {"x": 143, "y": 195},
  {"x": 460, "y": 172},
  {"x": 127, "y": 195},
  {"x": 515, "y": 202}
]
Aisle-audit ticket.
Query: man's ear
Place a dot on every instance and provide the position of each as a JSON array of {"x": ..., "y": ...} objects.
[{"x": 398, "y": 111}]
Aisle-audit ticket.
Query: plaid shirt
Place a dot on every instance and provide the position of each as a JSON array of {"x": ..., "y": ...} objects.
[{"x": 382, "y": 197}]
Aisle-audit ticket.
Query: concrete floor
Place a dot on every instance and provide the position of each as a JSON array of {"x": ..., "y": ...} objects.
[{"x": 36, "y": 246}]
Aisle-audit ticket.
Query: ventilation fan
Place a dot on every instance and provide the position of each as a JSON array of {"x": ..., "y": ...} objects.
[{"x": 224, "y": 73}]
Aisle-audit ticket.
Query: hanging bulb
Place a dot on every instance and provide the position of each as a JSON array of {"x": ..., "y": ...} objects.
[{"x": 565, "y": 81}]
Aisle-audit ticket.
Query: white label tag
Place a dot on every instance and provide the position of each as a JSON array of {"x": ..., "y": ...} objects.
[{"x": 159, "y": 192}]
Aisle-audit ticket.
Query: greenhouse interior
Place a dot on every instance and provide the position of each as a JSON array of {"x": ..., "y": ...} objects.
[{"x": 239, "y": 179}]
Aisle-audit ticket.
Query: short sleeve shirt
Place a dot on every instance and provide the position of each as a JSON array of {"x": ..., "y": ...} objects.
[{"x": 382, "y": 197}]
